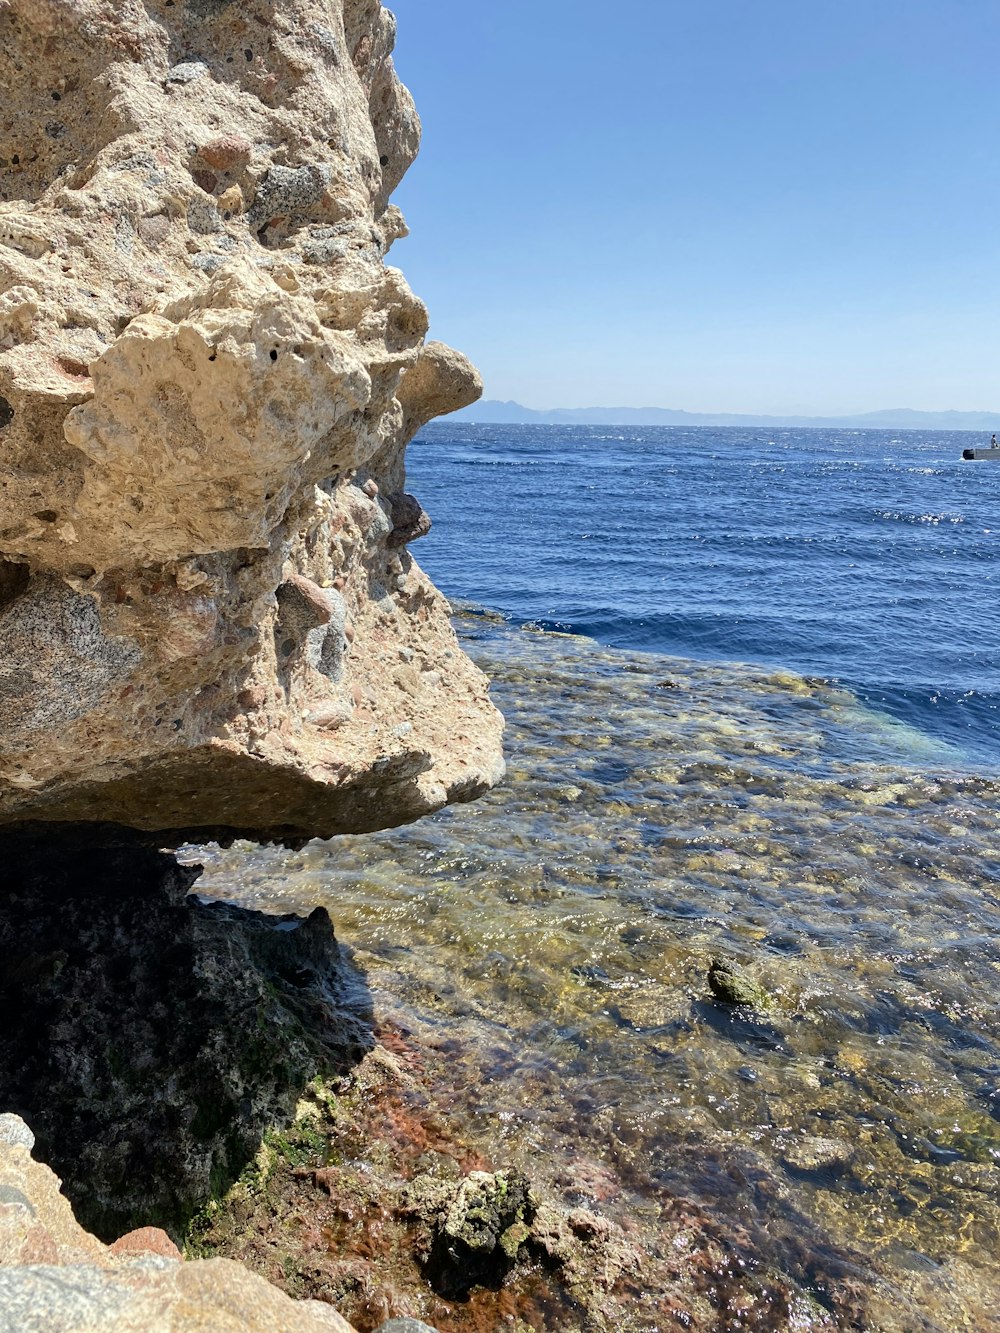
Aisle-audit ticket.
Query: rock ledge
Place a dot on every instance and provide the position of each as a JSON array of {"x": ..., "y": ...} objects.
[{"x": 210, "y": 622}]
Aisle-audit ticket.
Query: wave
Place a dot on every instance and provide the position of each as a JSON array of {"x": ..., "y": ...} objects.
[{"x": 901, "y": 516}]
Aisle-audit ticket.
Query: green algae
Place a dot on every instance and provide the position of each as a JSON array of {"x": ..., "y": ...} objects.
[{"x": 555, "y": 939}]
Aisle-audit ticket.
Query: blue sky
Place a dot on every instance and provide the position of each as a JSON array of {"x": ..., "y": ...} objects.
[{"x": 718, "y": 205}]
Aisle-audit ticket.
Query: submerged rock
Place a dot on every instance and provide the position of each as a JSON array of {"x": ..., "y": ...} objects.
[
  {"x": 817, "y": 1152},
  {"x": 208, "y": 377}
]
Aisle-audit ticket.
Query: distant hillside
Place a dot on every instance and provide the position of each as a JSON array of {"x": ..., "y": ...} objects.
[{"x": 900, "y": 418}]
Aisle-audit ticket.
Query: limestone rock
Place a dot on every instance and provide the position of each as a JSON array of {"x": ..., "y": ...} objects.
[
  {"x": 208, "y": 377},
  {"x": 56, "y": 1278}
]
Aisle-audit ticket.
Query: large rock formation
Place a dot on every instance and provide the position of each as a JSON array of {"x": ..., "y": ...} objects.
[
  {"x": 209, "y": 618},
  {"x": 151, "y": 1039}
]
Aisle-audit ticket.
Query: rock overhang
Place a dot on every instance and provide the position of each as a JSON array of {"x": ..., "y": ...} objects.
[{"x": 210, "y": 621}]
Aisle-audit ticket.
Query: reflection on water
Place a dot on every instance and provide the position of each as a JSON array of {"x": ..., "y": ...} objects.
[{"x": 557, "y": 936}]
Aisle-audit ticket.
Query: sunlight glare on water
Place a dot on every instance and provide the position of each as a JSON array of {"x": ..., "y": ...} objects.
[{"x": 778, "y": 746}]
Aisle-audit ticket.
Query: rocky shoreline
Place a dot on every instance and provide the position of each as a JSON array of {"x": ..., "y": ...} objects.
[
  {"x": 370, "y": 1200},
  {"x": 222, "y": 1086},
  {"x": 210, "y": 620},
  {"x": 212, "y": 627}
]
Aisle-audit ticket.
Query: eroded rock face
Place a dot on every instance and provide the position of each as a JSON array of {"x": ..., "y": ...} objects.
[{"x": 209, "y": 618}]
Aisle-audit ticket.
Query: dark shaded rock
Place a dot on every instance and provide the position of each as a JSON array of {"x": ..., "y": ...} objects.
[
  {"x": 150, "y": 1038},
  {"x": 14, "y": 580}
]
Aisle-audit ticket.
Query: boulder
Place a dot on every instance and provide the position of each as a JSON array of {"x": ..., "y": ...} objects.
[{"x": 208, "y": 377}]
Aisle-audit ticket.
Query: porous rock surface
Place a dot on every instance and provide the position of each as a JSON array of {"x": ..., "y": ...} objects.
[
  {"x": 57, "y": 1278},
  {"x": 209, "y": 619}
]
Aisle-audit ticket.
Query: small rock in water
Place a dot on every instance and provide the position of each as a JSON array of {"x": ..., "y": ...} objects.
[
  {"x": 729, "y": 984},
  {"x": 814, "y": 1152}
]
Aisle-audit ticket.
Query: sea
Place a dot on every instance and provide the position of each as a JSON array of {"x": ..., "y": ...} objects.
[
  {"x": 752, "y": 688},
  {"x": 864, "y": 557}
]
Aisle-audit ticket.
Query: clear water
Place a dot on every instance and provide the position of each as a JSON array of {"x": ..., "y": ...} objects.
[
  {"x": 834, "y": 832},
  {"x": 862, "y": 556}
]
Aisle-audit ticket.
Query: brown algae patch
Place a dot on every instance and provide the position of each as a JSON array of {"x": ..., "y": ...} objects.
[
  {"x": 549, "y": 947},
  {"x": 369, "y": 1202}
]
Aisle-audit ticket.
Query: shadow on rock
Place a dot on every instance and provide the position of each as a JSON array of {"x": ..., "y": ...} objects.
[{"x": 150, "y": 1039}]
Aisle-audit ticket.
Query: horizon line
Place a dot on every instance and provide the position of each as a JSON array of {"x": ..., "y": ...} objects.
[{"x": 723, "y": 412}]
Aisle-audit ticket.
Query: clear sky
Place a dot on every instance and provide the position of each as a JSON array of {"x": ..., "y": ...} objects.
[{"x": 774, "y": 206}]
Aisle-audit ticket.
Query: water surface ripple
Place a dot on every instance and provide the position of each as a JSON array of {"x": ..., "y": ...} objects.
[
  {"x": 863, "y": 556},
  {"x": 555, "y": 937},
  {"x": 825, "y": 814}
]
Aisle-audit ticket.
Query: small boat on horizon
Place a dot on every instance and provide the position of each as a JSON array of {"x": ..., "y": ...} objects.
[{"x": 974, "y": 455}]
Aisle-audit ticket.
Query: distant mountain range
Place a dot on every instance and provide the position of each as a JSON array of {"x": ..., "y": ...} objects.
[{"x": 900, "y": 418}]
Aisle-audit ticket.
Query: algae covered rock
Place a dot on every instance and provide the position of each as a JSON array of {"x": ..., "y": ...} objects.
[
  {"x": 478, "y": 1228},
  {"x": 731, "y": 984}
]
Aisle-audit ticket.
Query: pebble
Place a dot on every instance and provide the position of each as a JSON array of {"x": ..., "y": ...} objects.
[
  {"x": 187, "y": 71},
  {"x": 370, "y": 488},
  {"x": 331, "y": 717},
  {"x": 226, "y": 152},
  {"x": 231, "y": 200}
]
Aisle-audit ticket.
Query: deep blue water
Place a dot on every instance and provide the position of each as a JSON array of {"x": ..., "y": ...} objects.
[{"x": 865, "y": 557}]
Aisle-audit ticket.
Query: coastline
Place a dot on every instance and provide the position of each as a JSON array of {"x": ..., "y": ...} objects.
[{"x": 541, "y": 958}]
